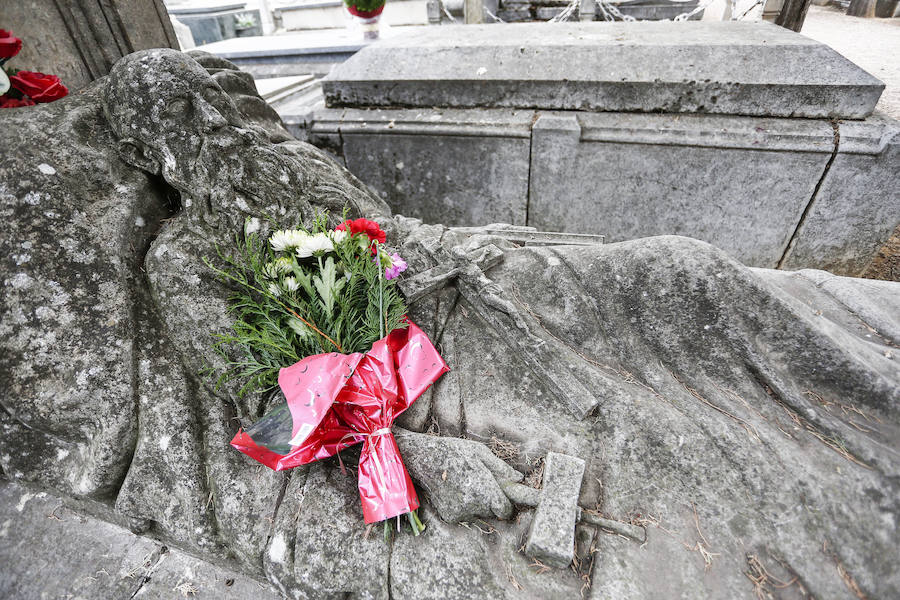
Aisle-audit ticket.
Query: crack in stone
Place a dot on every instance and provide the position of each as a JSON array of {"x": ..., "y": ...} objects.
[
  {"x": 836, "y": 139},
  {"x": 150, "y": 564}
]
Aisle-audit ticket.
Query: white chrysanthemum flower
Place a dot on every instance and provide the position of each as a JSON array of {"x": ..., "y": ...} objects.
[
  {"x": 290, "y": 284},
  {"x": 273, "y": 289},
  {"x": 284, "y": 264},
  {"x": 338, "y": 235},
  {"x": 279, "y": 266},
  {"x": 284, "y": 239},
  {"x": 315, "y": 244}
]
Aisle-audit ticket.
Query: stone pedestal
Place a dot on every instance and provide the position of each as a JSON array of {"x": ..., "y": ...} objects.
[{"x": 747, "y": 136}]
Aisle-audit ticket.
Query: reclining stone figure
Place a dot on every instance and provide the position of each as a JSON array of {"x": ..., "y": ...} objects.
[{"x": 746, "y": 418}]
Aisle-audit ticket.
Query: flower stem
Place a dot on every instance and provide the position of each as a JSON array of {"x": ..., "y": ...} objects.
[
  {"x": 381, "y": 324},
  {"x": 414, "y": 522}
]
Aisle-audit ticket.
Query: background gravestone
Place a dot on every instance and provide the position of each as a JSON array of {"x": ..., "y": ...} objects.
[{"x": 80, "y": 40}]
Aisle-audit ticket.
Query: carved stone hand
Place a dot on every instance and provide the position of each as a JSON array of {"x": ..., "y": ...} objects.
[{"x": 462, "y": 478}]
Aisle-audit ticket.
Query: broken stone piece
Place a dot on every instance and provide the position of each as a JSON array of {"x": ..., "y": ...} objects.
[{"x": 551, "y": 538}]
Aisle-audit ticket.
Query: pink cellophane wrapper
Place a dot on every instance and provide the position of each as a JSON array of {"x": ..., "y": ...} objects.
[{"x": 337, "y": 400}]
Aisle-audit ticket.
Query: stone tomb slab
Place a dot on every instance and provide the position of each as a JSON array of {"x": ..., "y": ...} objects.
[{"x": 694, "y": 67}]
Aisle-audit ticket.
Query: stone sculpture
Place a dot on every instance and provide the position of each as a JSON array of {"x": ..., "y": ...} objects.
[{"x": 736, "y": 427}]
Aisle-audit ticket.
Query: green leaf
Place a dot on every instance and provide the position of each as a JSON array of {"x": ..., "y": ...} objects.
[{"x": 328, "y": 285}]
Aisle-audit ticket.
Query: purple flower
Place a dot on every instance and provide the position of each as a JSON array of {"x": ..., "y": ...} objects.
[{"x": 398, "y": 265}]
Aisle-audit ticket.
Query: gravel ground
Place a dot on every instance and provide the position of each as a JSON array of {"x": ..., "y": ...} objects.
[{"x": 873, "y": 44}]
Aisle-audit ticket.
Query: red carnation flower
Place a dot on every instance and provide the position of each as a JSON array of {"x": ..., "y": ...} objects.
[
  {"x": 7, "y": 101},
  {"x": 370, "y": 228},
  {"x": 40, "y": 87},
  {"x": 9, "y": 44}
]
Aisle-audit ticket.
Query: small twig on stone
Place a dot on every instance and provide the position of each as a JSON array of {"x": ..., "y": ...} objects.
[
  {"x": 511, "y": 578},
  {"x": 53, "y": 514},
  {"x": 186, "y": 589},
  {"x": 693, "y": 392},
  {"x": 762, "y": 579},
  {"x": 847, "y": 578},
  {"x": 503, "y": 449},
  {"x": 536, "y": 475},
  {"x": 541, "y": 567},
  {"x": 490, "y": 528}
]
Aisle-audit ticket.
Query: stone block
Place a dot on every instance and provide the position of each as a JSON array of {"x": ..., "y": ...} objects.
[
  {"x": 551, "y": 538},
  {"x": 761, "y": 185},
  {"x": 718, "y": 67},
  {"x": 739, "y": 183},
  {"x": 454, "y": 167},
  {"x": 858, "y": 204}
]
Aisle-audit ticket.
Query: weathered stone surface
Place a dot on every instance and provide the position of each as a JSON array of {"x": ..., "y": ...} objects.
[
  {"x": 331, "y": 556},
  {"x": 443, "y": 470},
  {"x": 746, "y": 417},
  {"x": 551, "y": 537},
  {"x": 49, "y": 550},
  {"x": 67, "y": 323},
  {"x": 437, "y": 178},
  {"x": 713, "y": 67}
]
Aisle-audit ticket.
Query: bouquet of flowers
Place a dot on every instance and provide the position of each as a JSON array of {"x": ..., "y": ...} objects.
[
  {"x": 318, "y": 314},
  {"x": 24, "y": 88}
]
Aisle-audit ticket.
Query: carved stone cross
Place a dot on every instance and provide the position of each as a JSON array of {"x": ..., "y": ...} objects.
[{"x": 515, "y": 328}]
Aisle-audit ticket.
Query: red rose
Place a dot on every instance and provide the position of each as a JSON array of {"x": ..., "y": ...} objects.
[
  {"x": 39, "y": 86},
  {"x": 370, "y": 228},
  {"x": 9, "y": 44},
  {"x": 7, "y": 101}
]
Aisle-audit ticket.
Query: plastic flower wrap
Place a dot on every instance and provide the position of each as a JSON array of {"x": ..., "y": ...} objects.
[
  {"x": 318, "y": 314},
  {"x": 338, "y": 400}
]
